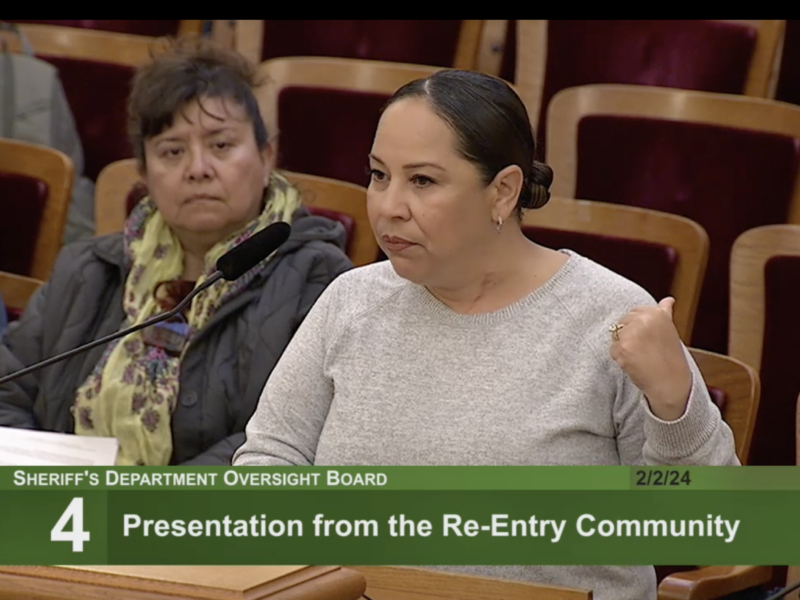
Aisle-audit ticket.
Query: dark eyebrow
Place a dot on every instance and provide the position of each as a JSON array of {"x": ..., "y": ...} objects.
[
  {"x": 159, "y": 140},
  {"x": 423, "y": 164},
  {"x": 208, "y": 133},
  {"x": 412, "y": 165},
  {"x": 217, "y": 130}
]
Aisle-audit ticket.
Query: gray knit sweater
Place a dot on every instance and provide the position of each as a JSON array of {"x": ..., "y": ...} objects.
[{"x": 383, "y": 373}]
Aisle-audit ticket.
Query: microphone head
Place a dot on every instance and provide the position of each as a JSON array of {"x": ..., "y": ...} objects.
[{"x": 240, "y": 259}]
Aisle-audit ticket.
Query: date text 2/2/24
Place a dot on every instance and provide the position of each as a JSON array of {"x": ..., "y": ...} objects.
[{"x": 659, "y": 477}]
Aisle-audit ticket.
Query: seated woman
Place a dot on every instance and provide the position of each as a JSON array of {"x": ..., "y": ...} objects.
[
  {"x": 473, "y": 345},
  {"x": 182, "y": 393}
]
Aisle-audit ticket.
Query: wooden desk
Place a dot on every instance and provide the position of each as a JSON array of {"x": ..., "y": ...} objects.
[
  {"x": 409, "y": 583},
  {"x": 173, "y": 583}
]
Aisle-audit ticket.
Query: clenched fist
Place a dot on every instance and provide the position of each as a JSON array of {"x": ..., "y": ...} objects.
[{"x": 650, "y": 352}]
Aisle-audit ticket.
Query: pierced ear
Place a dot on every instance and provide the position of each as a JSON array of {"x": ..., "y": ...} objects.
[{"x": 508, "y": 185}]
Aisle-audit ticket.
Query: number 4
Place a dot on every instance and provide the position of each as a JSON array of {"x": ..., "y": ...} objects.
[{"x": 77, "y": 536}]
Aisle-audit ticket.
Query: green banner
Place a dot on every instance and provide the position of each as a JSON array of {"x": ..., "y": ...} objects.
[
  {"x": 401, "y": 478},
  {"x": 400, "y": 516}
]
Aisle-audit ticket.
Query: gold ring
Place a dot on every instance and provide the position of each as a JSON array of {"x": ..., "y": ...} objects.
[{"x": 615, "y": 329}]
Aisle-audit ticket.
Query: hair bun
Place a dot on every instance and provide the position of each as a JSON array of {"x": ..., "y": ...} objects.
[
  {"x": 538, "y": 184},
  {"x": 541, "y": 174}
]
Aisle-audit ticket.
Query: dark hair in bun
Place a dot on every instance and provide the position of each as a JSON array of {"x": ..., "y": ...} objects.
[
  {"x": 536, "y": 191},
  {"x": 491, "y": 126}
]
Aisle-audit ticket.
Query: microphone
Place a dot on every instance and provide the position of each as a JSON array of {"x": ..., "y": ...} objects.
[
  {"x": 240, "y": 259},
  {"x": 230, "y": 266}
]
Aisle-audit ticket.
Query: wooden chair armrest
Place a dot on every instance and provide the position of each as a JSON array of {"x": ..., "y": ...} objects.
[
  {"x": 16, "y": 290},
  {"x": 708, "y": 583}
]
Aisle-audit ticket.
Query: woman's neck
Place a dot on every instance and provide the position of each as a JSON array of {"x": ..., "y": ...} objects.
[
  {"x": 193, "y": 266},
  {"x": 512, "y": 270},
  {"x": 195, "y": 247}
]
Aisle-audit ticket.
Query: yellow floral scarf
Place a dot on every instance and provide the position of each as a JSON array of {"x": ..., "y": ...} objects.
[{"x": 133, "y": 390}]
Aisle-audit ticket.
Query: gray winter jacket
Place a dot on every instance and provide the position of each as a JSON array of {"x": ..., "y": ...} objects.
[{"x": 224, "y": 368}]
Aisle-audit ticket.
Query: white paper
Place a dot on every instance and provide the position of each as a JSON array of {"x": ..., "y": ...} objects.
[{"x": 30, "y": 448}]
